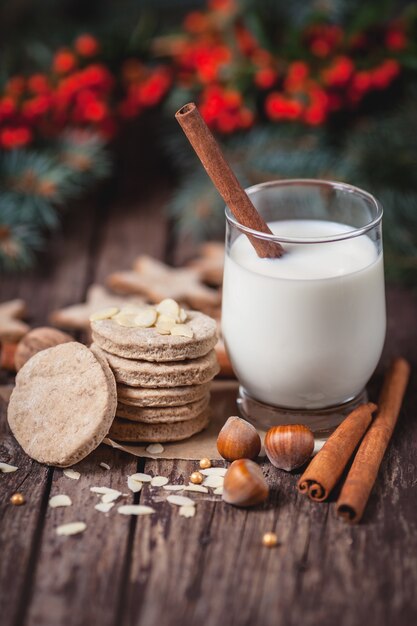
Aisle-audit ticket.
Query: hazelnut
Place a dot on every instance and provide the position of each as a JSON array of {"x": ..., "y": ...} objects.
[
  {"x": 238, "y": 440},
  {"x": 244, "y": 484},
  {"x": 290, "y": 446},
  {"x": 36, "y": 340}
]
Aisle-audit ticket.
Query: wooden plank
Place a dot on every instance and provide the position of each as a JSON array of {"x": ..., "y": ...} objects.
[
  {"x": 213, "y": 568},
  {"x": 78, "y": 578},
  {"x": 60, "y": 277},
  {"x": 81, "y": 579},
  {"x": 21, "y": 526}
]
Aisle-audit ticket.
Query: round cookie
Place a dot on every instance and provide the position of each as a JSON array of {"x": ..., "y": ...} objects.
[
  {"x": 135, "y": 432},
  {"x": 148, "y": 345},
  {"x": 167, "y": 374},
  {"x": 63, "y": 404},
  {"x": 163, "y": 397},
  {"x": 163, "y": 415}
]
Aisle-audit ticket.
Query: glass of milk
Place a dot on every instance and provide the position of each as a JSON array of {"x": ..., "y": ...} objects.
[{"x": 305, "y": 331}]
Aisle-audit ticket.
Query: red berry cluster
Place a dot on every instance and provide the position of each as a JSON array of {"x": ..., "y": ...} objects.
[
  {"x": 77, "y": 92},
  {"x": 334, "y": 71}
]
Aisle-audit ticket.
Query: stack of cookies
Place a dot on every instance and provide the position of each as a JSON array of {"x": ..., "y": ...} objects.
[{"x": 163, "y": 360}]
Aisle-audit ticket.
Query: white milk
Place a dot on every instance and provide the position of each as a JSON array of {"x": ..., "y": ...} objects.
[{"x": 305, "y": 330}]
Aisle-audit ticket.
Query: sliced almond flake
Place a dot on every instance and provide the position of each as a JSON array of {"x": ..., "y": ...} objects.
[
  {"x": 70, "y": 473},
  {"x": 59, "y": 500},
  {"x": 163, "y": 331},
  {"x": 125, "y": 319},
  {"x": 180, "y": 500},
  {"x": 155, "y": 448},
  {"x": 104, "y": 314},
  {"x": 213, "y": 481},
  {"x": 173, "y": 487},
  {"x": 165, "y": 323},
  {"x": 187, "y": 511},
  {"x": 104, "y": 507},
  {"x": 134, "y": 485},
  {"x": 143, "y": 478},
  {"x": 182, "y": 317},
  {"x": 104, "y": 490},
  {"x": 199, "y": 488},
  {"x": 168, "y": 307},
  {"x": 105, "y": 466},
  {"x": 5, "y": 468},
  {"x": 218, "y": 491},
  {"x": 159, "y": 481},
  {"x": 218, "y": 471},
  {"x": 135, "y": 509},
  {"x": 110, "y": 497},
  {"x": 73, "y": 528},
  {"x": 182, "y": 330},
  {"x": 146, "y": 318}
]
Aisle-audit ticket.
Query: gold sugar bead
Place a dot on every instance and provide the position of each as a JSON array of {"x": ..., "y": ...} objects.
[
  {"x": 270, "y": 540},
  {"x": 205, "y": 463},
  {"x": 196, "y": 478},
  {"x": 17, "y": 499}
]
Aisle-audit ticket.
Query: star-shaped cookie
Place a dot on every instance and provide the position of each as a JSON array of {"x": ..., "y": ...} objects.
[
  {"x": 209, "y": 263},
  {"x": 11, "y": 326},
  {"x": 158, "y": 281},
  {"x": 77, "y": 316}
]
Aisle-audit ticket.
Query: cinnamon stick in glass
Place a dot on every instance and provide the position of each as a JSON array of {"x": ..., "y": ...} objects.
[
  {"x": 327, "y": 466},
  {"x": 225, "y": 181},
  {"x": 362, "y": 475}
]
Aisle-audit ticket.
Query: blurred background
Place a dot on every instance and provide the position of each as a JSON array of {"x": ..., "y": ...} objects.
[{"x": 292, "y": 89}]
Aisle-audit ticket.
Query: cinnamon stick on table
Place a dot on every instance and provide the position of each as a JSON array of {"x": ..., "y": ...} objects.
[
  {"x": 225, "y": 181},
  {"x": 327, "y": 466},
  {"x": 361, "y": 477}
]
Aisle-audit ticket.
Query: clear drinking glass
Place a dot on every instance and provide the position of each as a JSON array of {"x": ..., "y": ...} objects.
[{"x": 305, "y": 332}]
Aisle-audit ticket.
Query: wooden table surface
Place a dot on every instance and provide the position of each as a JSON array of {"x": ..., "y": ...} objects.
[{"x": 209, "y": 570}]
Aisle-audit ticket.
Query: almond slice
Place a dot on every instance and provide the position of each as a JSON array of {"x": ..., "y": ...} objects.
[
  {"x": 182, "y": 330},
  {"x": 182, "y": 317},
  {"x": 135, "y": 509},
  {"x": 104, "y": 314},
  {"x": 218, "y": 471},
  {"x": 143, "y": 478},
  {"x": 199, "y": 488},
  {"x": 218, "y": 491},
  {"x": 5, "y": 468},
  {"x": 180, "y": 500},
  {"x": 213, "y": 481},
  {"x": 59, "y": 500},
  {"x": 134, "y": 485},
  {"x": 169, "y": 307},
  {"x": 165, "y": 323},
  {"x": 159, "y": 481},
  {"x": 155, "y": 448},
  {"x": 73, "y": 528},
  {"x": 174, "y": 487},
  {"x": 104, "y": 507},
  {"x": 103, "y": 490},
  {"x": 163, "y": 331},
  {"x": 146, "y": 318},
  {"x": 187, "y": 511},
  {"x": 125, "y": 319},
  {"x": 105, "y": 466},
  {"x": 70, "y": 473},
  {"x": 110, "y": 497}
]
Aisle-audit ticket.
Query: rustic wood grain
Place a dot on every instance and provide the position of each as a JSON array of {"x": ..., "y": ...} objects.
[{"x": 210, "y": 569}]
